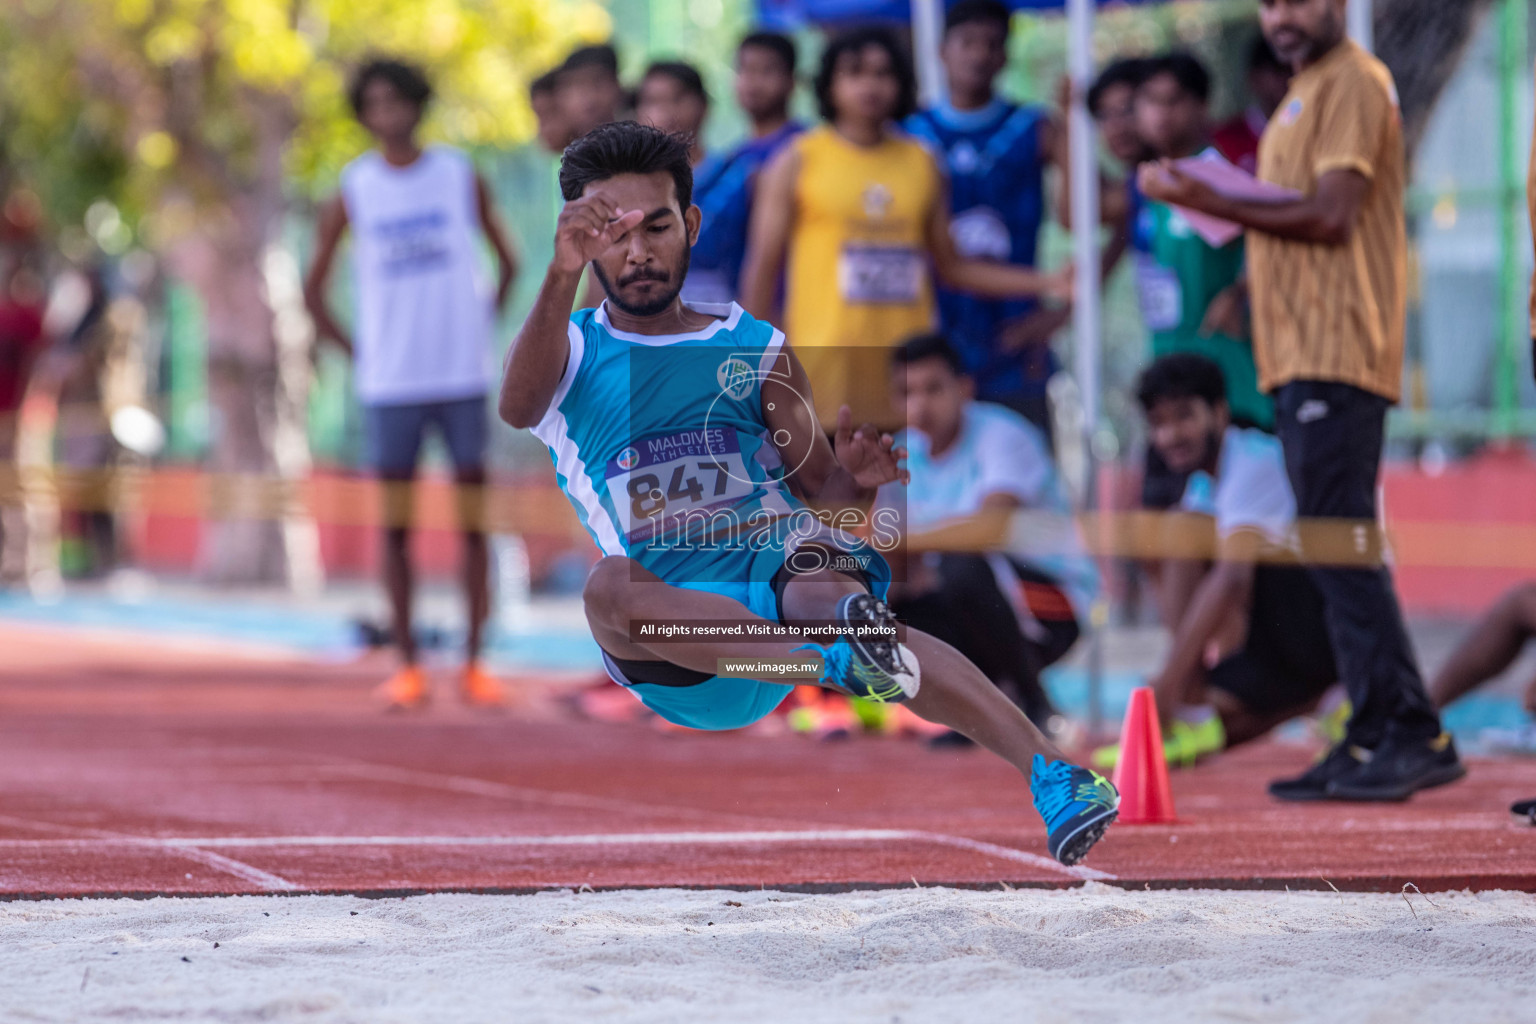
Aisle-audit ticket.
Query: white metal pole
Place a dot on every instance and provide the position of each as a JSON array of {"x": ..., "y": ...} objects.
[
  {"x": 1085, "y": 209},
  {"x": 927, "y": 34},
  {"x": 1362, "y": 22},
  {"x": 1086, "y": 310}
]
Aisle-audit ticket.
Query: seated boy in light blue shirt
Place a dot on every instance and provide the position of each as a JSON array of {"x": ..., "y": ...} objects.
[{"x": 995, "y": 563}]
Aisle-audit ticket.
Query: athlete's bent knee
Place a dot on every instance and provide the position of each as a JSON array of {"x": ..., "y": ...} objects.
[{"x": 606, "y": 593}]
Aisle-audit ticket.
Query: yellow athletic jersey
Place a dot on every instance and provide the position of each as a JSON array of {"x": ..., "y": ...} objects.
[{"x": 859, "y": 277}]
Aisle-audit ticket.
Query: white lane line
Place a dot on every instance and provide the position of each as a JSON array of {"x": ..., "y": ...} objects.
[
  {"x": 101, "y": 837},
  {"x": 238, "y": 868},
  {"x": 591, "y": 840},
  {"x": 1022, "y": 856}
]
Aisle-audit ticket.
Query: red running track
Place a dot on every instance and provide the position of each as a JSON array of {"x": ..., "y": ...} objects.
[{"x": 130, "y": 768}]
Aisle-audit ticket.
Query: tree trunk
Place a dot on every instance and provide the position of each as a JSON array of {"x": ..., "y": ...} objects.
[
  {"x": 1423, "y": 41},
  {"x": 256, "y": 531},
  {"x": 240, "y": 544}
]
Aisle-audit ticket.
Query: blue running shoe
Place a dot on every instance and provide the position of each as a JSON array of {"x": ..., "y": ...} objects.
[
  {"x": 878, "y": 670},
  {"x": 1077, "y": 805}
]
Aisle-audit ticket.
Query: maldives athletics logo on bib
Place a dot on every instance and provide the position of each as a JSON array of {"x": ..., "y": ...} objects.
[
  {"x": 629, "y": 458},
  {"x": 735, "y": 376}
]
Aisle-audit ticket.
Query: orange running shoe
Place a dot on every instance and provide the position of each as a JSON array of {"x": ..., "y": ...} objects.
[
  {"x": 405, "y": 690},
  {"x": 479, "y": 688}
]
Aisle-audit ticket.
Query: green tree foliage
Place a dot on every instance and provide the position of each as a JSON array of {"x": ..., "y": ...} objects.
[{"x": 123, "y": 98}]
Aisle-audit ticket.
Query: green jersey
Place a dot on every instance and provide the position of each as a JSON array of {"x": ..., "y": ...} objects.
[{"x": 1178, "y": 273}]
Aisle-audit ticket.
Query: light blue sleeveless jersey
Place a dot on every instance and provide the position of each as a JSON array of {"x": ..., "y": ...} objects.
[{"x": 660, "y": 444}]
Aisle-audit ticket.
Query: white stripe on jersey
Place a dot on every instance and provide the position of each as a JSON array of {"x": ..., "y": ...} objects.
[
  {"x": 767, "y": 454},
  {"x": 554, "y": 432}
]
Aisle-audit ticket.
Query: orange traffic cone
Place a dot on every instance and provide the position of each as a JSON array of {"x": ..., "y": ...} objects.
[{"x": 1141, "y": 776}]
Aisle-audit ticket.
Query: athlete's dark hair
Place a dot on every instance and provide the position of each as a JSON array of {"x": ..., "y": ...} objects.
[
  {"x": 545, "y": 84},
  {"x": 601, "y": 56},
  {"x": 1185, "y": 69},
  {"x": 1181, "y": 375},
  {"x": 967, "y": 11},
  {"x": 853, "y": 41},
  {"x": 776, "y": 43},
  {"x": 1131, "y": 71},
  {"x": 1262, "y": 56},
  {"x": 407, "y": 79},
  {"x": 682, "y": 73},
  {"x": 625, "y": 147},
  {"x": 927, "y": 346}
]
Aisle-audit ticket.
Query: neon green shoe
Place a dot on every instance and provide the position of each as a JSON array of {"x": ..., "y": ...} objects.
[
  {"x": 1330, "y": 728},
  {"x": 1187, "y": 742},
  {"x": 1184, "y": 743},
  {"x": 1105, "y": 758}
]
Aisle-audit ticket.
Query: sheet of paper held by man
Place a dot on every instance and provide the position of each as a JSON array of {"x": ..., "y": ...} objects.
[{"x": 1215, "y": 171}]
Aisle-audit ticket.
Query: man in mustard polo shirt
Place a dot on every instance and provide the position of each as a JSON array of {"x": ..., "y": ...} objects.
[{"x": 1328, "y": 278}]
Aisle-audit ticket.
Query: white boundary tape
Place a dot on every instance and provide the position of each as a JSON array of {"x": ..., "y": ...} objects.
[
  {"x": 195, "y": 845},
  {"x": 92, "y": 838}
]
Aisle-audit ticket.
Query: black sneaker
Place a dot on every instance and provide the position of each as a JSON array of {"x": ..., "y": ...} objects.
[
  {"x": 1313, "y": 783},
  {"x": 1524, "y": 812},
  {"x": 1397, "y": 769}
]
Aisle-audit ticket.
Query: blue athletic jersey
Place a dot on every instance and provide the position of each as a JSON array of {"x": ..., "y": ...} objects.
[
  {"x": 997, "y": 205},
  {"x": 722, "y": 190},
  {"x": 660, "y": 443}
]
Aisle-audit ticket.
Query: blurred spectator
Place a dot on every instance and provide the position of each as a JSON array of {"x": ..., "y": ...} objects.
[
  {"x": 724, "y": 184},
  {"x": 1192, "y": 295},
  {"x": 21, "y": 342},
  {"x": 1112, "y": 103},
  {"x": 1010, "y": 595},
  {"x": 857, "y": 210},
  {"x": 86, "y": 449},
  {"x": 671, "y": 96},
  {"x": 1491, "y": 647},
  {"x": 545, "y": 97},
  {"x": 1268, "y": 81},
  {"x": 423, "y": 342},
  {"x": 1328, "y": 273},
  {"x": 995, "y": 154},
  {"x": 1250, "y": 647},
  {"x": 590, "y": 93}
]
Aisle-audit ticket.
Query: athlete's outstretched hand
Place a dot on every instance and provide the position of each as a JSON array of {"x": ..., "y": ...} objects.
[
  {"x": 587, "y": 228},
  {"x": 867, "y": 455}
]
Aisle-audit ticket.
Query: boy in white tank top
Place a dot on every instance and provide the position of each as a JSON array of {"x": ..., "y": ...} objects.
[{"x": 421, "y": 345}]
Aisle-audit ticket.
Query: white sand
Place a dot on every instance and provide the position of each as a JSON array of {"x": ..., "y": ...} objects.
[{"x": 1093, "y": 954}]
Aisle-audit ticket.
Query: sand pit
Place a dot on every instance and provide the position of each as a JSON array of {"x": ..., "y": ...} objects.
[{"x": 1090, "y": 954}]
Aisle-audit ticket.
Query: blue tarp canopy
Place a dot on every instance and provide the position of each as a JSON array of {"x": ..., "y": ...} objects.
[{"x": 794, "y": 13}]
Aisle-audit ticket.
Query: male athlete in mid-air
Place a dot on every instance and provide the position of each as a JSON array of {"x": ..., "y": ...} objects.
[{"x": 686, "y": 440}]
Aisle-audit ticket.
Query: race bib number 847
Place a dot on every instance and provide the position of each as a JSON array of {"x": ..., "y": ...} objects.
[{"x": 660, "y": 479}]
